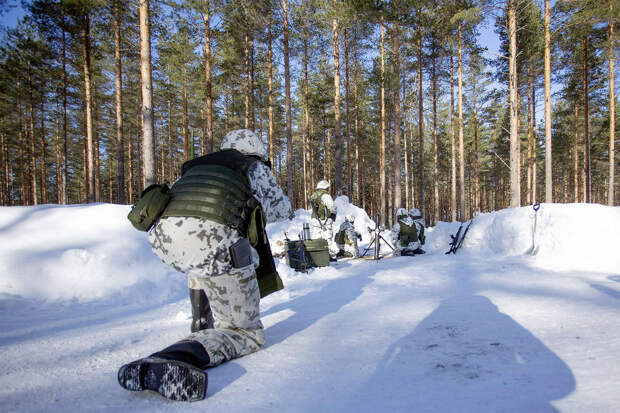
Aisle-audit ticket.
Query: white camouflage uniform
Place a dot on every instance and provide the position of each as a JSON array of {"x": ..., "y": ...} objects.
[
  {"x": 325, "y": 228},
  {"x": 350, "y": 248},
  {"x": 408, "y": 220},
  {"x": 199, "y": 247}
]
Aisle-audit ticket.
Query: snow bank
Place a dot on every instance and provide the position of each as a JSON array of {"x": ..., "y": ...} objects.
[
  {"x": 91, "y": 252},
  {"x": 79, "y": 252},
  {"x": 578, "y": 237}
]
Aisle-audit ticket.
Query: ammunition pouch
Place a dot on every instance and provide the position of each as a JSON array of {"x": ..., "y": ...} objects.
[{"x": 147, "y": 210}]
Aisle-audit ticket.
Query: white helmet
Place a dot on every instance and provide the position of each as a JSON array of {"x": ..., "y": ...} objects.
[
  {"x": 246, "y": 142},
  {"x": 415, "y": 212},
  {"x": 322, "y": 184},
  {"x": 400, "y": 212},
  {"x": 350, "y": 218}
]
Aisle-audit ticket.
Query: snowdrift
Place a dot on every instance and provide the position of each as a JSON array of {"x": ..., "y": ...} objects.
[{"x": 91, "y": 252}]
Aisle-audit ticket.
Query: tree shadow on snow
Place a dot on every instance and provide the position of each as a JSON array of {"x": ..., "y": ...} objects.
[{"x": 466, "y": 356}]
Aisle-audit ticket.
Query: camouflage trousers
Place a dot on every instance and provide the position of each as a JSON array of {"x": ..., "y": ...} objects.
[
  {"x": 320, "y": 229},
  {"x": 350, "y": 249},
  {"x": 233, "y": 293}
]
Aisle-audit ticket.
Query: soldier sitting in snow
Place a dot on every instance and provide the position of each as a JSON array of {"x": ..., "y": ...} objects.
[
  {"x": 346, "y": 238},
  {"x": 408, "y": 232}
]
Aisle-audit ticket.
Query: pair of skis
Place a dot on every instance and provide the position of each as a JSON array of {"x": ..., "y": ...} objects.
[{"x": 457, "y": 240}]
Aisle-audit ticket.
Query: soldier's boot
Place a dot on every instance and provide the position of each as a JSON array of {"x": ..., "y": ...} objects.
[
  {"x": 176, "y": 372},
  {"x": 202, "y": 317}
]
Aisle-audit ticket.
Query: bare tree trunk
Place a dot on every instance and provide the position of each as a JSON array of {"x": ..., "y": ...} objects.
[
  {"x": 120, "y": 156},
  {"x": 358, "y": 186},
  {"x": 586, "y": 119},
  {"x": 32, "y": 156},
  {"x": 307, "y": 175},
  {"x": 252, "y": 97},
  {"x": 348, "y": 116},
  {"x": 548, "y": 152},
  {"x": 287, "y": 102},
  {"x": 43, "y": 152},
  {"x": 64, "y": 199},
  {"x": 435, "y": 143},
  {"x": 337, "y": 127},
  {"x": 576, "y": 156},
  {"x": 22, "y": 146},
  {"x": 515, "y": 187},
  {"x": 397, "y": 148},
  {"x": 209, "y": 92},
  {"x": 612, "y": 109},
  {"x": 186, "y": 148},
  {"x": 534, "y": 144},
  {"x": 421, "y": 205},
  {"x": 148, "y": 136},
  {"x": 90, "y": 162},
  {"x": 382, "y": 189},
  {"x": 270, "y": 85},
  {"x": 529, "y": 136},
  {"x": 462, "y": 206},
  {"x": 476, "y": 196},
  {"x": 453, "y": 205}
]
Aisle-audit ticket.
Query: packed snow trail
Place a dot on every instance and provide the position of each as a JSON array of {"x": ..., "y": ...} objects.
[{"x": 468, "y": 332}]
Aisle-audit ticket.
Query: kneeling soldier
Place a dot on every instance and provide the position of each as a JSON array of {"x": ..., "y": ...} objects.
[
  {"x": 346, "y": 238},
  {"x": 213, "y": 230},
  {"x": 408, "y": 232}
]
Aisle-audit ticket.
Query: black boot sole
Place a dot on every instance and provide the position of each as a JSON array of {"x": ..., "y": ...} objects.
[{"x": 172, "y": 379}]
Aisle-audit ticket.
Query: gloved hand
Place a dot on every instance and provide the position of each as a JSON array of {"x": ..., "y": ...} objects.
[
  {"x": 333, "y": 216},
  {"x": 359, "y": 237}
]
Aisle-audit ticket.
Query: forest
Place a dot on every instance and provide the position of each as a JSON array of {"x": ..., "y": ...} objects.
[{"x": 397, "y": 103}]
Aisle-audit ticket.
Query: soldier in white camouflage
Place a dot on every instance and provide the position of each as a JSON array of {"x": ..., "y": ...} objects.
[
  {"x": 346, "y": 238},
  {"x": 219, "y": 208},
  {"x": 408, "y": 232},
  {"x": 323, "y": 215}
]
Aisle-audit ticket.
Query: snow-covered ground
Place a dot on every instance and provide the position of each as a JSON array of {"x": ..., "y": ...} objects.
[{"x": 513, "y": 322}]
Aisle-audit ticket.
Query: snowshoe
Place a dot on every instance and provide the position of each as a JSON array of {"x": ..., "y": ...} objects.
[
  {"x": 175, "y": 380},
  {"x": 407, "y": 253},
  {"x": 419, "y": 251}
]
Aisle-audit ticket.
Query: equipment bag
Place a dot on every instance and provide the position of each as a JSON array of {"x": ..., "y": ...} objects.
[{"x": 147, "y": 210}]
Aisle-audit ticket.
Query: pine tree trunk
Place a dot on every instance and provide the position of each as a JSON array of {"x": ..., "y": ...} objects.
[
  {"x": 612, "y": 110},
  {"x": 420, "y": 205},
  {"x": 548, "y": 142},
  {"x": 476, "y": 195},
  {"x": 32, "y": 156},
  {"x": 65, "y": 151},
  {"x": 576, "y": 156},
  {"x": 208, "y": 84},
  {"x": 43, "y": 153},
  {"x": 252, "y": 97},
  {"x": 337, "y": 119},
  {"x": 435, "y": 143},
  {"x": 348, "y": 116},
  {"x": 462, "y": 206},
  {"x": 382, "y": 188},
  {"x": 148, "y": 136},
  {"x": 307, "y": 159},
  {"x": 534, "y": 144},
  {"x": 120, "y": 155},
  {"x": 270, "y": 85},
  {"x": 358, "y": 186},
  {"x": 186, "y": 148},
  {"x": 90, "y": 162},
  {"x": 529, "y": 136},
  {"x": 287, "y": 102},
  {"x": 515, "y": 187},
  {"x": 397, "y": 148},
  {"x": 453, "y": 205},
  {"x": 586, "y": 119}
]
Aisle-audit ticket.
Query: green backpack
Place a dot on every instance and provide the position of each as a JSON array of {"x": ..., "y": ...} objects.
[
  {"x": 408, "y": 233},
  {"x": 152, "y": 203},
  {"x": 318, "y": 208}
]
